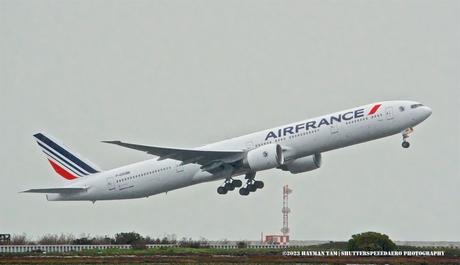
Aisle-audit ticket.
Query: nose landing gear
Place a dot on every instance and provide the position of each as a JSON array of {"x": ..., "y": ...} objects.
[{"x": 405, "y": 135}]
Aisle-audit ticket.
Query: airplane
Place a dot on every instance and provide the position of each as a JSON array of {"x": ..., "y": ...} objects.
[{"x": 295, "y": 147}]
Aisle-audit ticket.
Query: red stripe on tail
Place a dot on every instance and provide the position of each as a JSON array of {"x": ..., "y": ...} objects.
[
  {"x": 374, "y": 109},
  {"x": 62, "y": 171}
]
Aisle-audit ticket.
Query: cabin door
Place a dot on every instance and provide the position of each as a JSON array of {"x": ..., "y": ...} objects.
[
  {"x": 334, "y": 129},
  {"x": 110, "y": 183},
  {"x": 250, "y": 145},
  {"x": 389, "y": 113},
  {"x": 179, "y": 167}
]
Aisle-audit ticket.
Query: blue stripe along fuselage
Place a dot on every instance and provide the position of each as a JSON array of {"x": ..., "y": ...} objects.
[
  {"x": 306, "y": 126},
  {"x": 64, "y": 162},
  {"x": 65, "y": 153}
]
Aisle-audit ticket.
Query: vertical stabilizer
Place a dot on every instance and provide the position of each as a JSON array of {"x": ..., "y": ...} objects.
[{"x": 65, "y": 162}]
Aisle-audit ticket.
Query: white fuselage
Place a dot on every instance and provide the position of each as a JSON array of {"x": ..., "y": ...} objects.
[{"x": 299, "y": 139}]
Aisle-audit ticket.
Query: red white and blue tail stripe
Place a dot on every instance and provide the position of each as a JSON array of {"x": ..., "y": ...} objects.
[{"x": 65, "y": 162}]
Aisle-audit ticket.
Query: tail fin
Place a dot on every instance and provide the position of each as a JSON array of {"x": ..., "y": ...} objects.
[{"x": 66, "y": 163}]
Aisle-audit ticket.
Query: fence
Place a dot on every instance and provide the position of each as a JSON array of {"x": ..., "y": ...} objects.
[{"x": 74, "y": 248}]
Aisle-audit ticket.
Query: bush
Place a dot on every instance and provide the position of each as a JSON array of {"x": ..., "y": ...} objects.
[
  {"x": 242, "y": 244},
  {"x": 128, "y": 238},
  {"x": 371, "y": 241},
  {"x": 189, "y": 243},
  {"x": 82, "y": 241},
  {"x": 19, "y": 240},
  {"x": 139, "y": 245},
  {"x": 51, "y": 239}
]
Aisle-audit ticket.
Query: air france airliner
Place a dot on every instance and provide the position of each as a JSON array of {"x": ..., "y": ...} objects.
[{"x": 295, "y": 147}]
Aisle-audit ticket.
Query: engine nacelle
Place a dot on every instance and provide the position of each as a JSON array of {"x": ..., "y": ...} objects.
[
  {"x": 303, "y": 164},
  {"x": 264, "y": 157}
]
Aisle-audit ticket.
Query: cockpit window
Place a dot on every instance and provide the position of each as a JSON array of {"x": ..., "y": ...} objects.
[{"x": 415, "y": 106}]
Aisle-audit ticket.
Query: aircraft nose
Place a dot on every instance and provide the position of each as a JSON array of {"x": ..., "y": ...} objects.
[{"x": 426, "y": 112}]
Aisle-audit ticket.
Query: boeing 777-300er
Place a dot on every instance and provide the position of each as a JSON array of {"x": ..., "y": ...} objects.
[{"x": 295, "y": 147}]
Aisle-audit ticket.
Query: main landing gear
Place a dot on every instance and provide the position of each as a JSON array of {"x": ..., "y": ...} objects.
[
  {"x": 229, "y": 185},
  {"x": 405, "y": 135},
  {"x": 251, "y": 185}
]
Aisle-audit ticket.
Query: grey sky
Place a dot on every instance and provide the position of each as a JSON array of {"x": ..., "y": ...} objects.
[{"x": 186, "y": 73}]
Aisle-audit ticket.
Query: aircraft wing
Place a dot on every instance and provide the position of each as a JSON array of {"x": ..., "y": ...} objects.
[
  {"x": 56, "y": 190},
  {"x": 202, "y": 157}
]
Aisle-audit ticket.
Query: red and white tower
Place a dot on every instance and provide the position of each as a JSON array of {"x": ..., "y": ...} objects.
[
  {"x": 282, "y": 239},
  {"x": 285, "y": 210}
]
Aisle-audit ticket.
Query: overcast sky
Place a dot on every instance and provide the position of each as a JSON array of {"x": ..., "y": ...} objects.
[{"x": 187, "y": 73}]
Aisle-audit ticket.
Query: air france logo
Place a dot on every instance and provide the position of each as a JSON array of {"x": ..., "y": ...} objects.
[
  {"x": 374, "y": 109},
  {"x": 317, "y": 124}
]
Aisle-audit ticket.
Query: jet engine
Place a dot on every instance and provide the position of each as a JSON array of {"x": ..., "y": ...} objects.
[
  {"x": 264, "y": 157},
  {"x": 303, "y": 164}
]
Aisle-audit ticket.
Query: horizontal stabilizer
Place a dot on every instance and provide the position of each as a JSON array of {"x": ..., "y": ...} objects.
[{"x": 56, "y": 190}]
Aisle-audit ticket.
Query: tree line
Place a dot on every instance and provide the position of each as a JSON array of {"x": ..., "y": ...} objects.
[
  {"x": 370, "y": 241},
  {"x": 123, "y": 238}
]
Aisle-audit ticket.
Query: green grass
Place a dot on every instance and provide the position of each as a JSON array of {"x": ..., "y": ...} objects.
[
  {"x": 178, "y": 251},
  {"x": 236, "y": 252}
]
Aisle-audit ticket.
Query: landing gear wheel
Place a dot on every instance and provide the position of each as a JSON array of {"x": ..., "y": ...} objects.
[
  {"x": 229, "y": 186},
  {"x": 237, "y": 183},
  {"x": 222, "y": 190},
  {"x": 405, "y": 144},
  {"x": 251, "y": 187},
  {"x": 244, "y": 191},
  {"x": 259, "y": 184}
]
